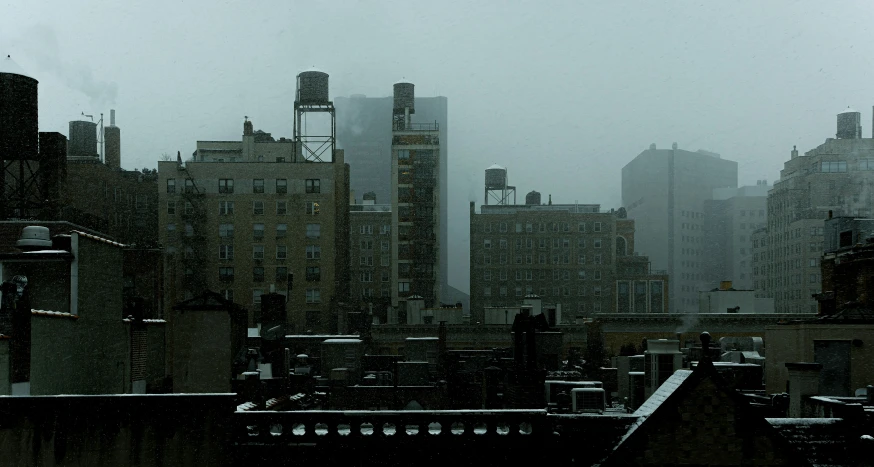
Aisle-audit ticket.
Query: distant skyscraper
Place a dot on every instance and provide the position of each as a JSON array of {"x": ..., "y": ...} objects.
[
  {"x": 664, "y": 191},
  {"x": 730, "y": 219},
  {"x": 364, "y": 131}
]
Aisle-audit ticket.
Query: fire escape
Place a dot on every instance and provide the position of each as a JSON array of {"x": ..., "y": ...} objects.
[
  {"x": 192, "y": 261},
  {"x": 424, "y": 229}
]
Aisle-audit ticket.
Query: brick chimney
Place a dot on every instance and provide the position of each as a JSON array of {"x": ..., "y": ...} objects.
[{"x": 803, "y": 383}]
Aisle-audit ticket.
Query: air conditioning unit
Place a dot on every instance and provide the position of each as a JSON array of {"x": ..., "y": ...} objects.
[{"x": 588, "y": 400}]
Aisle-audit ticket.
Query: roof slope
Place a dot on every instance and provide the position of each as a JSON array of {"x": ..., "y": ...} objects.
[{"x": 693, "y": 419}]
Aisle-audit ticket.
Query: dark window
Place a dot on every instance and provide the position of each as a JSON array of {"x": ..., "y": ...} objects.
[
  {"x": 171, "y": 185},
  {"x": 258, "y": 185},
  {"x": 313, "y": 273},
  {"x": 281, "y": 185},
  {"x": 313, "y": 185},
  {"x": 226, "y": 185},
  {"x": 258, "y": 274},
  {"x": 226, "y": 274},
  {"x": 281, "y": 274}
]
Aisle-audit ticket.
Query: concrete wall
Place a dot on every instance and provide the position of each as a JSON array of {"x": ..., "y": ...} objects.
[
  {"x": 157, "y": 430},
  {"x": 201, "y": 352},
  {"x": 794, "y": 343}
]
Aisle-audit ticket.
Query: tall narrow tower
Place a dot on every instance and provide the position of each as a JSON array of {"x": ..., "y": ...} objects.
[
  {"x": 112, "y": 139},
  {"x": 315, "y": 137},
  {"x": 415, "y": 169}
]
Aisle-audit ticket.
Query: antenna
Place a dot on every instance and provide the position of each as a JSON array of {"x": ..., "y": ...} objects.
[{"x": 89, "y": 116}]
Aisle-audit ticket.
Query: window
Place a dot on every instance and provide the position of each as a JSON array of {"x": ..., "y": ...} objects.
[
  {"x": 596, "y": 243},
  {"x": 257, "y": 251},
  {"x": 313, "y": 273},
  {"x": 171, "y": 208},
  {"x": 384, "y": 246},
  {"x": 565, "y": 243},
  {"x": 281, "y": 252},
  {"x": 281, "y": 208},
  {"x": 281, "y": 230},
  {"x": 228, "y": 294},
  {"x": 366, "y": 244},
  {"x": 529, "y": 227},
  {"x": 226, "y": 251},
  {"x": 313, "y": 296},
  {"x": 314, "y": 230},
  {"x": 189, "y": 185},
  {"x": 281, "y": 274},
  {"x": 503, "y": 227},
  {"x": 596, "y": 275},
  {"x": 365, "y": 260},
  {"x": 518, "y": 227},
  {"x": 258, "y": 185},
  {"x": 226, "y": 208},
  {"x": 503, "y": 275},
  {"x": 581, "y": 259},
  {"x": 384, "y": 260},
  {"x": 581, "y": 243},
  {"x": 403, "y": 154},
  {"x": 565, "y": 227},
  {"x": 256, "y": 296},
  {"x": 487, "y": 275},
  {"x": 581, "y": 226},
  {"x": 226, "y": 230},
  {"x": 312, "y": 208},
  {"x": 386, "y": 229},
  {"x": 313, "y": 185},
  {"x": 487, "y": 244},
  {"x": 518, "y": 291},
  {"x": 226, "y": 274},
  {"x": 487, "y": 291},
  {"x": 258, "y": 207},
  {"x": 385, "y": 276},
  {"x": 226, "y": 185},
  {"x": 596, "y": 291},
  {"x": 258, "y": 274},
  {"x": 502, "y": 291},
  {"x": 366, "y": 276},
  {"x": 597, "y": 259},
  {"x": 314, "y": 252},
  {"x": 281, "y": 186},
  {"x": 597, "y": 227},
  {"x": 581, "y": 274},
  {"x": 258, "y": 231},
  {"x": 833, "y": 167},
  {"x": 403, "y": 287},
  {"x": 189, "y": 208},
  {"x": 171, "y": 185}
]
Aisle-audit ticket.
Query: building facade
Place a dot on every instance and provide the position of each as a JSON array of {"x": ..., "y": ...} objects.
[
  {"x": 664, "y": 191},
  {"x": 730, "y": 219},
  {"x": 265, "y": 221},
  {"x": 417, "y": 230},
  {"x": 370, "y": 263},
  {"x": 835, "y": 177},
  {"x": 365, "y": 132},
  {"x": 568, "y": 254}
]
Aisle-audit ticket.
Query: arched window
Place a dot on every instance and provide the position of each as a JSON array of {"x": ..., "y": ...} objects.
[{"x": 621, "y": 246}]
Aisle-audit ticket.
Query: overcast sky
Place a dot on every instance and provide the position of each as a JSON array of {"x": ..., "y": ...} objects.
[{"x": 562, "y": 93}]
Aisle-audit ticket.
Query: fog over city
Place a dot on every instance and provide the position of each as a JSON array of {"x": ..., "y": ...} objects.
[{"x": 563, "y": 94}]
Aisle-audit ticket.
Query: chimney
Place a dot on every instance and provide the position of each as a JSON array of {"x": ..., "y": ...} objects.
[
  {"x": 112, "y": 140},
  {"x": 803, "y": 383},
  {"x": 794, "y": 152},
  {"x": 830, "y": 213}
]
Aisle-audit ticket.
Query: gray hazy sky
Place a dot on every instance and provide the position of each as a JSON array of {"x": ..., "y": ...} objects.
[{"x": 562, "y": 93}]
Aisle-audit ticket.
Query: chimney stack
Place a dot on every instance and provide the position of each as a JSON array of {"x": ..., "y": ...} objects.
[
  {"x": 794, "y": 152},
  {"x": 112, "y": 139}
]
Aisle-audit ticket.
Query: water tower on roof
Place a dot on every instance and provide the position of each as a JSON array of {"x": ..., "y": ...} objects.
[
  {"x": 314, "y": 142},
  {"x": 849, "y": 124},
  {"x": 21, "y": 181},
  {"x": 403, "y": 105},
  {"x": 497, "y": 188}
]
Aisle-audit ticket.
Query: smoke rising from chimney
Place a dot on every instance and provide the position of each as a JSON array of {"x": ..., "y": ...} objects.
[{"x": 40, "y": 45}]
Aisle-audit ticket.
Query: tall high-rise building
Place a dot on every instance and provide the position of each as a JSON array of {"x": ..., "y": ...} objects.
[
  {"x": 730, "y": 219},
  {"x": 364, "y": 131},
  {"x": 835, "y": 177},
  {"x": 418, "y": 215},
  {"x": 664, "y": 191}
]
